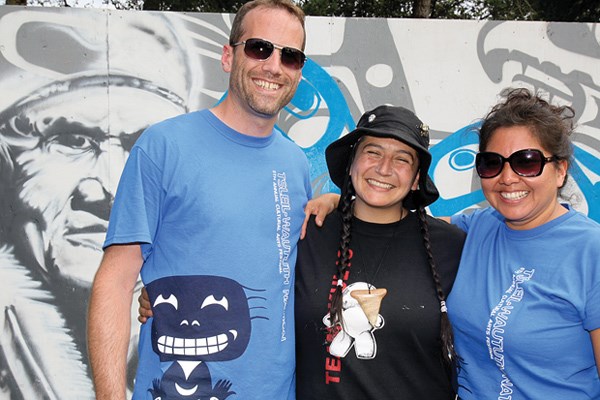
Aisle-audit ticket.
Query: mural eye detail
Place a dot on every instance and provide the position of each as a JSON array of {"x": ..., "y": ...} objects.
[
  {"x": 172, "y": 300},
  {"x": 184, "y": 322},
  {"x": 210, "y": 300},
  {"x": 71, "y": 144},
  {"x": 462, "y": 159}
]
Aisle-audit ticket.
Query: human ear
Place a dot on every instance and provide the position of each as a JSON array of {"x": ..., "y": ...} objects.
[
  {"x": 561, "y": 167},
  {"x": 415, "y": 185},
  {"x": 227, "y": 58}
]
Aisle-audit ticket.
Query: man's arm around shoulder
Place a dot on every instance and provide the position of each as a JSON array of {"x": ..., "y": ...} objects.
[{"x": 109, "y": 318}]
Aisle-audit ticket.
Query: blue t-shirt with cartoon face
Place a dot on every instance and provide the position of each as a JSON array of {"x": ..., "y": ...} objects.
[{"x": 218, "y": 216}]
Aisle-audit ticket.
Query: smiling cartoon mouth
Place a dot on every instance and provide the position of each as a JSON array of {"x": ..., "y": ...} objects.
[
  {"x": 194, "y": 347},
  {"x": 186, "y": 392}
]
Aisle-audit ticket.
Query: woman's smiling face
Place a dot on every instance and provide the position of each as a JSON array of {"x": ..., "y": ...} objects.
[
  {"x": 383, "y": 172},
  {"x": 524, "y": 202}
]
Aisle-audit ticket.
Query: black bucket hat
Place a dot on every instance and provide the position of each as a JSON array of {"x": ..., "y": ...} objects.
[{"x": 387, "y": 122}]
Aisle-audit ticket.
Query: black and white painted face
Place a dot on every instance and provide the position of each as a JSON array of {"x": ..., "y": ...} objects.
[{"x": 68, "y": 150}]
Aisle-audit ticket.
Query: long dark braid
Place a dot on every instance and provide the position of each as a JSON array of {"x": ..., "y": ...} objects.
[
  {"x": 343, "y": 259},
  {"x": 447, "y": 336}
]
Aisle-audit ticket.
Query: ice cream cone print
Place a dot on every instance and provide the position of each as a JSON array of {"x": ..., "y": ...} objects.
[{"x": 370, "y": 302}]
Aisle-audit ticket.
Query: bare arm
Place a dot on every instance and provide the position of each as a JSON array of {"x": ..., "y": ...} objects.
[
  {"x": 109, "y": 319},
  {"x": 595, "y": 334},
  {"x": 144, "y": 310},
  {"x": 320, "y": 206}
]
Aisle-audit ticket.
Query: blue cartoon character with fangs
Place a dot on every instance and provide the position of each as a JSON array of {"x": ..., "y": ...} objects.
[{"x": 197, "y": 320}]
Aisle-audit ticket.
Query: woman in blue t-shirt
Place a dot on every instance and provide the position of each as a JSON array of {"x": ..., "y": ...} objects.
[{"x": 526, "y": 302}]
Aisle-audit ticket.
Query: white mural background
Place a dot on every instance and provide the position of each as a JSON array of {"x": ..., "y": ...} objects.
[{"x": 78, "y": 86}]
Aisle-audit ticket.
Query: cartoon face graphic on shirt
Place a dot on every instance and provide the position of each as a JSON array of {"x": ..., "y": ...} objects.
[{"x": 199, "y": 318}]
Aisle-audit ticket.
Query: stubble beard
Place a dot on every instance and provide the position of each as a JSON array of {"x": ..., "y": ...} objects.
[{"x": 266, "y": 106}]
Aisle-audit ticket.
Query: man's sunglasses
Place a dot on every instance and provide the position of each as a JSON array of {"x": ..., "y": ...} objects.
[
  {"x": 527, "y": 163},
  {"x": 261, "y": 50}
]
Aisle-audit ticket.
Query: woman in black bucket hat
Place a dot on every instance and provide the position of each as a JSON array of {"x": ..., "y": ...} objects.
[{"x": 371, "y": 284}]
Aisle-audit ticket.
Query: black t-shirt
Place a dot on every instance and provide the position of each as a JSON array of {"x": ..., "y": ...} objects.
[{"x": 407, "y": 362}]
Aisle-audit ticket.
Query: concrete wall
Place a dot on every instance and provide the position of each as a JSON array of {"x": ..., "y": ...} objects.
[{"x": 77, "y": 86}]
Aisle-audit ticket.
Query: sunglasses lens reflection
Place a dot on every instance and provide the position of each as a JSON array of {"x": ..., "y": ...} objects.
[
  {"x": 488, "y": 165},
  {"x": 259, "y": 49},
  {"x": 527, "y": 163},
  {"x": 292, "y": 58}
]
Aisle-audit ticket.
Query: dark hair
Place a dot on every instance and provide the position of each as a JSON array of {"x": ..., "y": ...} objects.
[
  {"x": 237, "y": 29},
  {"x": 343, "y": 255},
  {"x": 552, "y": 125},
  {"x": 343, "y": 260},
  {"x": 446, "y": 333}
]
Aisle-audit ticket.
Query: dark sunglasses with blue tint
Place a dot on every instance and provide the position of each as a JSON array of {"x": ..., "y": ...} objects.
[
  {"x": 527, "y": 163},
  {"x": 261, "y": 50}
]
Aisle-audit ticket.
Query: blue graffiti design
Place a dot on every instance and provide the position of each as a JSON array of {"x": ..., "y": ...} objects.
[
  {"x": 591, "y": 191},
  {"x": 315, "y": 88},
  {"x": 455, "y": 152}
]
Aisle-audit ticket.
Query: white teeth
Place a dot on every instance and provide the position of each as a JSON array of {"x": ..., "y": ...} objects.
[
  {"x": 193, "y": 347},
  {"x": 379, "y": 184},
  {"x": 267, "y": 85},
  {"x": 514, "y": 195}
]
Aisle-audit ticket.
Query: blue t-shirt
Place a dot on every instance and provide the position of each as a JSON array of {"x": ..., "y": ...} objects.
[
  {"x": 522, "y": 307},
  {"x": 218, "y": 216}
]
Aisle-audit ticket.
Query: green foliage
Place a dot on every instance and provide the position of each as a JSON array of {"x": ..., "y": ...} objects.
[
  {"x": 532, "y": 10},
  {"x": 513, "y": 9},
  {"x": 460, "y": 9},
  {"x": 218, "y": 6},
  {"x": 358, "y": 8},
  {"x": 547, "y": 10},
  {"x": 573, "y": 10}
]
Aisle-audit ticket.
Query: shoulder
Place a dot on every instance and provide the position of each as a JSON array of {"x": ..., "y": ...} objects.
[
  {"x": 288, "y": 144},
  {"x": 172, "y": 128},
  {"x": 189, "y": 119},
  {"x": 172, "y": 136},
  {"x": 583, "y": 221},
  {"x": 331, "y": 227},
  {"x": 447, "y": 243},
  {"x": 443, "y": 229},
  {"x": 579, "y": 225},
  {"x": 478, "y": 218}
]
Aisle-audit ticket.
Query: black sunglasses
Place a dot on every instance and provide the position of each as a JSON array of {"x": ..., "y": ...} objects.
[
  {"x": 527, "y": 163},
  {"x": 260, "y": 49}
]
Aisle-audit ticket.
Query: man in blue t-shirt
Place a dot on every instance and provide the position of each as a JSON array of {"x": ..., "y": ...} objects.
[{"x": 209, "y": 210}]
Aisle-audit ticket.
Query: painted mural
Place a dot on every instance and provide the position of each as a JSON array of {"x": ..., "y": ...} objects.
[{"x": 78, "y": 86}]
